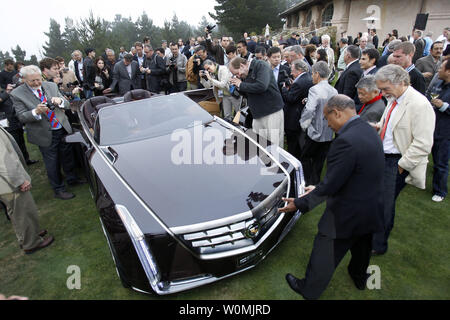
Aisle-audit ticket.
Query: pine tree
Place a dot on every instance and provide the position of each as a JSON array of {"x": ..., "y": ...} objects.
[
  {"x": 241, "y": 16},
  {"x": 55, "y": 46},
  {"x": 19, "y": 54}
]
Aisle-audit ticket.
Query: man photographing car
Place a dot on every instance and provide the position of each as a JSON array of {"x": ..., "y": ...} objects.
[{"x": 255, "y": 79}]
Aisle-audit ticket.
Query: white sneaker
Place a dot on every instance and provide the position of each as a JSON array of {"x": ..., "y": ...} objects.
[{"x": 437, "y": 198}]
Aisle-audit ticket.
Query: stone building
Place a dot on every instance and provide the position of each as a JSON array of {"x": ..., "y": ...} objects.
[{"x": 347, "y": 15}]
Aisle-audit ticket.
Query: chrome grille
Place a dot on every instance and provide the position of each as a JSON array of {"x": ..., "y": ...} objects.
[{"x": 232, "y": 234}]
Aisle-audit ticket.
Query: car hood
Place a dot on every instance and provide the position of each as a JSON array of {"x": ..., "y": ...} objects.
[{"x": 196, "y": 191}]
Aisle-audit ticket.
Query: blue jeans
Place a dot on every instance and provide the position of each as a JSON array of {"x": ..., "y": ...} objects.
[
  {"x": 440, "y": 152},
  {"x": 88, "y": 94},
  {"x": 394, "y": 182}
]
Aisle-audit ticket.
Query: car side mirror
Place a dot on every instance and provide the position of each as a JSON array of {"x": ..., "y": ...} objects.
[{"x": 76, "y": 137}]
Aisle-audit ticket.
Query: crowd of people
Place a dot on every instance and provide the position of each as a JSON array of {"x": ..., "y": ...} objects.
[{"x": 322, "y": 97}]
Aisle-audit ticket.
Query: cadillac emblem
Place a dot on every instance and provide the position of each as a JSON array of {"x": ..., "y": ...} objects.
[{"x": 253, "y": 230}]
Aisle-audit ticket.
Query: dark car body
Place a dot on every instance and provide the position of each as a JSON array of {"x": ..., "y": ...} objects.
[{"x": 175, "y": 219}]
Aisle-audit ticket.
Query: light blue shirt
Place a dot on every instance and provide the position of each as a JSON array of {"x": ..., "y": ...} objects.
[{"x": 276, "y": 71}]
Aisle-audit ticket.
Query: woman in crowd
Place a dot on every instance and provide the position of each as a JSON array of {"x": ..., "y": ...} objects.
[
  {"x": 322, "y": 55},
  {"x": 311, "y": 54},
  {"x": 102, "y": 76},
  {"x": 218, "y": 76}
]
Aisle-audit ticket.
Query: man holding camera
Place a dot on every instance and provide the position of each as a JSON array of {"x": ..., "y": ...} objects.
[
  {"x": 195, "y": 64},
  {"x": 40, "y": 106},
  {"x": 255, "y": 79},
  {"x": 218, "y": 51},
  {"x": 176, "y": 66}
]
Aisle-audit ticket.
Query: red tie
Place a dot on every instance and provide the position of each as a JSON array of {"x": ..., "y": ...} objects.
[{"x": 386, "y": 121}]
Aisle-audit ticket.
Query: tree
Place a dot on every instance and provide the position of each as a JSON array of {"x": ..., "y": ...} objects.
[
  {"x": 19, "y": 54},
  {"x": 93, "y": 33},
  {"x": 3, "y": 57},
  {"x": 55, "y": 46},
  {"x": 241, "y": 16}
]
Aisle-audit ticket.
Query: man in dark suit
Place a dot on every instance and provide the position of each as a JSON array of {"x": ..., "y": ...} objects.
[
  {"x": 293, "y": 97},
  {"x": 33, "y": 103},
  {"x": 89, "y": 73},
  {"x": 140, "y": 58},
  {"x": 155, "y": 70},
  {"x": 354, "y": 163},
  {"x": 368, "y": 61},
  {"x": 371, "y": 98},
  {"x": 419, "y": 44},
  {"x": 126, "y": 75},
  {"x": 373, "y": 34},
  {"x": 292, "y": 41},
  {"x": 281, "y": 72},
  {"x": 268, "y": 42},
  {"x": 218, "y": 51},
  {"x": 351, "y": 75},
  {"x": 403, "y": 56}
]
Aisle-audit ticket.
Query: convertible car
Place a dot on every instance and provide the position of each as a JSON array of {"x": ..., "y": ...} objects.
[{"x": 184, "y": 197}]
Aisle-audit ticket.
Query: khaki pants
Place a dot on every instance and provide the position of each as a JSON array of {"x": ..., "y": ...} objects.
[
  {"x": 24, "y": 216},
  {"x": 271, "y": 127},
  {"x": 229, "y": 104}
]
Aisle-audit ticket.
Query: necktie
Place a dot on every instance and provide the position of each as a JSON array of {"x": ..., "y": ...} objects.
[
  {"x": 386, "y": 121},
  {"x": 50, "y": 113}
]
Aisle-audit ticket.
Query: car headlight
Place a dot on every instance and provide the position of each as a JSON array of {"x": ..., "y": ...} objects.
[{"x": 299, "y": 178}]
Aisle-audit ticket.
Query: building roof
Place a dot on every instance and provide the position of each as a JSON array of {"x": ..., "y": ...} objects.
[{"x": 296, "y": 7}]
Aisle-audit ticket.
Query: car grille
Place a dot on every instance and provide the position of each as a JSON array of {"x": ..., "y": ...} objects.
[{"x": 233, "y": 234}]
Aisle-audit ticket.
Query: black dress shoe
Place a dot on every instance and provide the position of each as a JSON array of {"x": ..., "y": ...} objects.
[
  {"x": 64, "y": 195},
  {"x": 295, "y": 284},
  {"x": 43, "y": 244},
  {"x": 76, "y": 182},
  {"x": 31, "y": 162}
]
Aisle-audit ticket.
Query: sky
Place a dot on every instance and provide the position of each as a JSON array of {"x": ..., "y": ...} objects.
[{"x": 24, "y": 26}]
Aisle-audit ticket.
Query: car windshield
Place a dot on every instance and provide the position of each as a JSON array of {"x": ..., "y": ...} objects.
[{"x": 148, "y": 118}]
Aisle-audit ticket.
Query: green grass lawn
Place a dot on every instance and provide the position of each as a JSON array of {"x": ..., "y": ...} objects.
[{"x": 417, "y": 265}]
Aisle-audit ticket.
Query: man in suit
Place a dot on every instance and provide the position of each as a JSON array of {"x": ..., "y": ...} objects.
[
  {"x": 15, "y": 186},
  {"x": 268, "y": 42},
  {"x": 293, "y": 97},
  {"x": 89, "y": 73},
  {"x": 419, "y": 44},
  {"x": 126, "y": 76},
  {"x": 154, "y": 69},
  {"x": 140, "y": 58},
  {"x": 218, "y": 51},
  {"x": 47, "y": 128},
  {"x": 15, "y": 128},
  {"x": 441, "y": 144},
  {"x": 292, "y": 41},
  {"x": 430, "y": 64},
  {"x": 351, "y": 75},
  {"x": 354, "y": 163},
  {"x": 371, "y": 98},
  {"x": 373, "y": 34},
  {"x": 406, "y": 130},
  {"x": 281, "y": 72},
  {"x": 318, "y": 135},
  {"x": 368, "y": 61},
  {"x": 402, "y": 56}
]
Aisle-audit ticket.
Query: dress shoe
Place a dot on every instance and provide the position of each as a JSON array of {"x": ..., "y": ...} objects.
[
  {"x": 43, "y": 244},
  {"x": 31, "y": 162},
  {"x": 42, "y": 233},
  {"x": 360, "y": 284},
  {"x": 76, "y": 182},
  {"x": 64, "y": 195},
  {"x": 295, "y": 284}
]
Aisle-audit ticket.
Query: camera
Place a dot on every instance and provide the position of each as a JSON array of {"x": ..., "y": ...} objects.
[
  {"x": 50, "y": 105},
  {"x": 72, "y": 84},
  {"x": 210, "y": 28}
]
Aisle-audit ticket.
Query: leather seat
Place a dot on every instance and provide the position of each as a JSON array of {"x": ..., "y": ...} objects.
[
  {"x": 90, "y": 111},
  {"x": 138, "y": 94}
]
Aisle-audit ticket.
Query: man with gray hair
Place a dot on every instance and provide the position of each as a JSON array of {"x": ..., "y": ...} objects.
[
  {"x": 40, "y": 107},
  {"x": 294, "y": 98},
  {"x": 76, "y": 65},
  {"x": 371, "y": 98},
  {"x": 387, "y": 53},
  {"x": 318, "y": 135},
  {"x": 354, "y": 163},
  {"x": 297, "y": 53},
  {"x": 406, "y": 130}
]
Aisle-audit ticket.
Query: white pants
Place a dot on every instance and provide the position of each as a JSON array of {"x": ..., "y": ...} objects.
[{"x": 271, "y": 127}]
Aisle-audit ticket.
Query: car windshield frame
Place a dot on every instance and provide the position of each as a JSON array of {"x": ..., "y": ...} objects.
[{"x": 148, "y": 118}]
